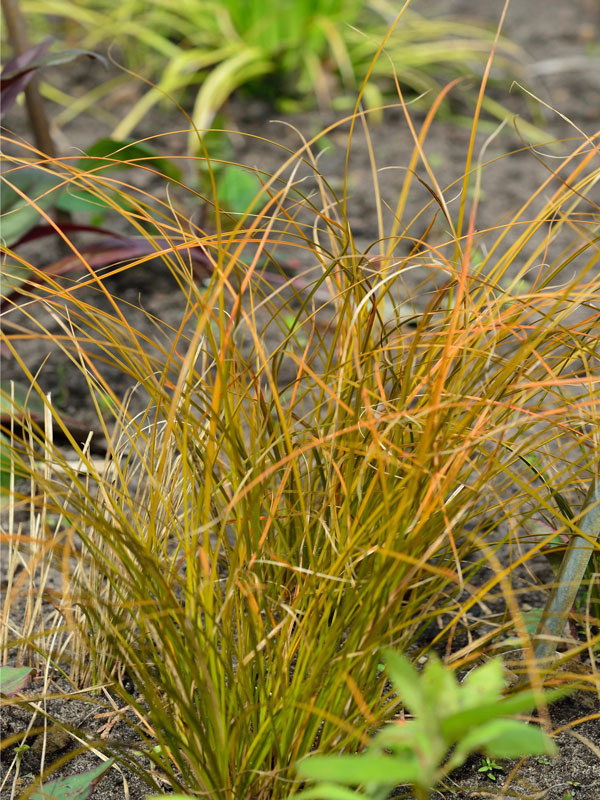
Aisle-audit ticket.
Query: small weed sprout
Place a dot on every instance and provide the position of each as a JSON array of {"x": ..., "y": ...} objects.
[{"x": 488, "y": 766}]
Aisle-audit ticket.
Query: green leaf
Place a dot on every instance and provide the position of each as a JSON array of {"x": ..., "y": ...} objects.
[
  {"x": 237, "y": 189},
  {"x": 108, "y": 154},
  {"x": 326, "y": 791},
  {"x": 406, "y": 682},
  {"x": 5, "y": 466},
  {"x": 18, "y": 214},
  {"x": 357, "y": 769},
  {"x": 76, "y": 200},
  {"x": 14, "y": 679},
  {"x": 532, "y": 619},
  {"x": 75, "y": 787},
  {"x": 15, "y": 398},
  {"x": 482, "y": 685},
  {"x": 438, "y": 682},
  {"x": 456, "y": 726},
  {"x": 506, "y": 738}
]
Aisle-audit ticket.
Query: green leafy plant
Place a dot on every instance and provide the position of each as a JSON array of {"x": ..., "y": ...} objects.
[
  {"x": 35, "y": 186},
  {"x": 450, "y": 721},
  {"x": 487, "y": 768},
  {"x": 38, "y": 187},
  {"x": 300, "y": 49}
]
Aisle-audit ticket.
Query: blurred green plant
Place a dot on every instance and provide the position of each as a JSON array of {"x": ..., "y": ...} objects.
[
  {"x": 296, "y": 49},
  {"x": 36, "y": 185},
  {"x": 450, "y": 720},
  {"x": 36, "y": 188},
  {"x": 14, "y": 679}
]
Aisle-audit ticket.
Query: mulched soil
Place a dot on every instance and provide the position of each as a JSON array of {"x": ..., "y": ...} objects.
[{"x": 561, "y": 40}]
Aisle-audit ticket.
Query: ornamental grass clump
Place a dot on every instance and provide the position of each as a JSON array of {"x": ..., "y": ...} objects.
[{"x": 312, "y": 465}]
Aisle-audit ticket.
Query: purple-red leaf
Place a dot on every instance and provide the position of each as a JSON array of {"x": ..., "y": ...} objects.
[
  {"x": 42, "y": 231},
  {"x": 111, "y": 251},
  {"x": 19, "y": 70}
]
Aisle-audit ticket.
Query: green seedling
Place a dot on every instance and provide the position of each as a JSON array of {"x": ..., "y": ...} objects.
[
  {"x": 61, "y": 188},
  {"x": 55, "y": 187},
  {"x": 75, "y": 787},
  {"x": 19, "y": 753},
  {"x": 450, "y": 721},
  {"x": 487, "y": 768}
]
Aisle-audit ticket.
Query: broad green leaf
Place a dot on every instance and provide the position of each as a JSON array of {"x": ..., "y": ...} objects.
[
  {"x": 326, "y": 791},
  {"x": 75, "y": 787},
  {"x": 457, "y": 725},
  {"x": 532, "y": 619},
  {"x": 76, "y": 200},
  {"x": 15, "y": 398},
  {"x": 406, "y": 681},
  {"x": 5, "y": 465},
  {"x": 482, "y": 685},
  {"x": 237, "y": 189},
  {"x": 400, "y": 736},
  {"x": 441, "y": 690},
  {"x": 357, "y": 769},
  {"x": 19, "y": 215},
  {"x": 14, "y": 679},
  {"x": 420, "y": 736},
  {"x": 218, "y": 145},
  {"x": 14, "y": 276},
  {"x": 506, "y": 738},
  {"x": 107, "y": 154},
  {"x": 8, "y": 465}
]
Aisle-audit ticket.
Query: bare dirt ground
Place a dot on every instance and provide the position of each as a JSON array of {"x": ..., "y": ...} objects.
[{"x": 562, "y": 43}]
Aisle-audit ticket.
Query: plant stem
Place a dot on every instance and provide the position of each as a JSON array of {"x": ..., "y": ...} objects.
[{"x": 35, "y": 108}]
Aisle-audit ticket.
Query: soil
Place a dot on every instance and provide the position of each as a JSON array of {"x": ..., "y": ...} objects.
[{"x": 562, "y": 43}]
